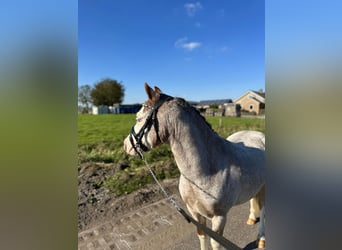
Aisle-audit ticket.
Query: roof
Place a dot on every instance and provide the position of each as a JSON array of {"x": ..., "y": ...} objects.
[
  {"x": 256, "y": 95},
  {"x": 262, "y": 94},
  {"x": 217, "y": 102}
]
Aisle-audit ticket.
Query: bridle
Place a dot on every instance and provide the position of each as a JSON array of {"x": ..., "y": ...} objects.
[{"x": 145, "y": 129}]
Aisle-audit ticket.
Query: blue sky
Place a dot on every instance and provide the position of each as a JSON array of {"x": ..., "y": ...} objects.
[{"x": 192, "y": 49}]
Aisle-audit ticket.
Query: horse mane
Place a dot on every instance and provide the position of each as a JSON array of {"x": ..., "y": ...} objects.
[{"x": 189, "y": 108}]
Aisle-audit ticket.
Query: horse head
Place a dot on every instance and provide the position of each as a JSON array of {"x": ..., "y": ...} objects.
[{"x": 146, "y": 133}]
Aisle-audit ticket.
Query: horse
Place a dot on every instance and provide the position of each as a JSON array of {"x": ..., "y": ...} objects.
[
  {"x": 255, "y": 139},
  {"x": 215, "y": 174}
]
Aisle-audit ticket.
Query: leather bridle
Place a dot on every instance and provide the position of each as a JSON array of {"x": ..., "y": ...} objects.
[{"x": 138, "y": 146}]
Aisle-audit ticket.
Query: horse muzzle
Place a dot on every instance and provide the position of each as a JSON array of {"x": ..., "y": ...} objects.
[{"x": 128, "y": 147}]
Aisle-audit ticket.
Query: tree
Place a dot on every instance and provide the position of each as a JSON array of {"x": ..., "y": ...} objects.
[
  {"x": 84, "y": 97},
  {"x": 107, "y": 92}
]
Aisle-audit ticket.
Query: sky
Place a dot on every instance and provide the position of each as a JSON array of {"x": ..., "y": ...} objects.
[{"x": 197, "y": 50}]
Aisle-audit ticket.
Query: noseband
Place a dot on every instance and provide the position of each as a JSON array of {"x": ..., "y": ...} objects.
[{"x": 151, "y": 120}]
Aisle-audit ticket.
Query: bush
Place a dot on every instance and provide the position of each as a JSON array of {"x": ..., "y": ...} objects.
[{"x": 213, "y": 106}]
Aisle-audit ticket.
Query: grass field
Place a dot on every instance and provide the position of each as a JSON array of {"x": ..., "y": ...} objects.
[
  {"x": 100, "y": 139},
  {"x": 102, "y": 128},
  {"x": 105, "y": 128}
]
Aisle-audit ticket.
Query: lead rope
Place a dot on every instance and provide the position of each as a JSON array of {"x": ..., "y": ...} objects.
[
  {"x": 220, "y": 239},
  {"x": 169, "y": 197}
]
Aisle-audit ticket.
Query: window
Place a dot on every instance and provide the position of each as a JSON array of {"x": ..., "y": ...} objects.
[{"x": 251, "y": 107}]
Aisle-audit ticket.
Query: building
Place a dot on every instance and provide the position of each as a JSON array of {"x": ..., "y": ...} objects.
[
  {"x": 207, "y": 103},
  {"x": 233, "y": 110},
  {"x": 213, "y": 107},
  {"x": 99, "y": 110},
  {"x": 116, "y": 109},
  {"x": 252, "y": 101}
]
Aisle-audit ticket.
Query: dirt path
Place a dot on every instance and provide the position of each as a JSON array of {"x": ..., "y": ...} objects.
[
  {"x": 159, "y": 226},
  {"x": 144, "y": 219}
]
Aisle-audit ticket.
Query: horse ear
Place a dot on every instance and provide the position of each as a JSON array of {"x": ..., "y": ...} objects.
[
  {"x": 149, "y": 91},
  {"x": 157, "y": 90},
  {"x": 157, "y": 93}
]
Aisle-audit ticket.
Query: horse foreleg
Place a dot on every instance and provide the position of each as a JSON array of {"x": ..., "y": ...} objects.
[
  {"x": 218, "y": 223},
  {"x": 201, "y": 235}
]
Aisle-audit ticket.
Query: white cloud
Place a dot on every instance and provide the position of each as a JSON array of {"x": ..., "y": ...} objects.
[
  {"x": 184, "y": 44},
  {"x": 191, "y": 46},
  {"x": 192, "y": 8}
]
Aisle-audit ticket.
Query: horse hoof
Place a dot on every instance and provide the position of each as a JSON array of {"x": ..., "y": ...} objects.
[
  {"x": 261, "y": 244},
  {"x": 250, "y": 221}
]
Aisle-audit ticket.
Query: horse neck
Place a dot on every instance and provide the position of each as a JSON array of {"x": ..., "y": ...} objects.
[{"x": 193, "y": 143}]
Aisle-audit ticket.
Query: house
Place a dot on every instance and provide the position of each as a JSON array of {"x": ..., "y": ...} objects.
[{"x": 252, "y": 101}]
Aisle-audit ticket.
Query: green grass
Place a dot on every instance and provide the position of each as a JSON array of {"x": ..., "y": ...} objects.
[
  {"x": 100, "y": 139},
  {"x": 94, "y": 129},
  {"x": 102, "y": 128},
  {"x": 226, "y": 126},
  {"x": 131, "y": 179}
]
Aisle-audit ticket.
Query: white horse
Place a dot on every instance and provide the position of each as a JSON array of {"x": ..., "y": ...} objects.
[
  {"x": 253, "y": 139},
  {"x": 216, "y": 174}
]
